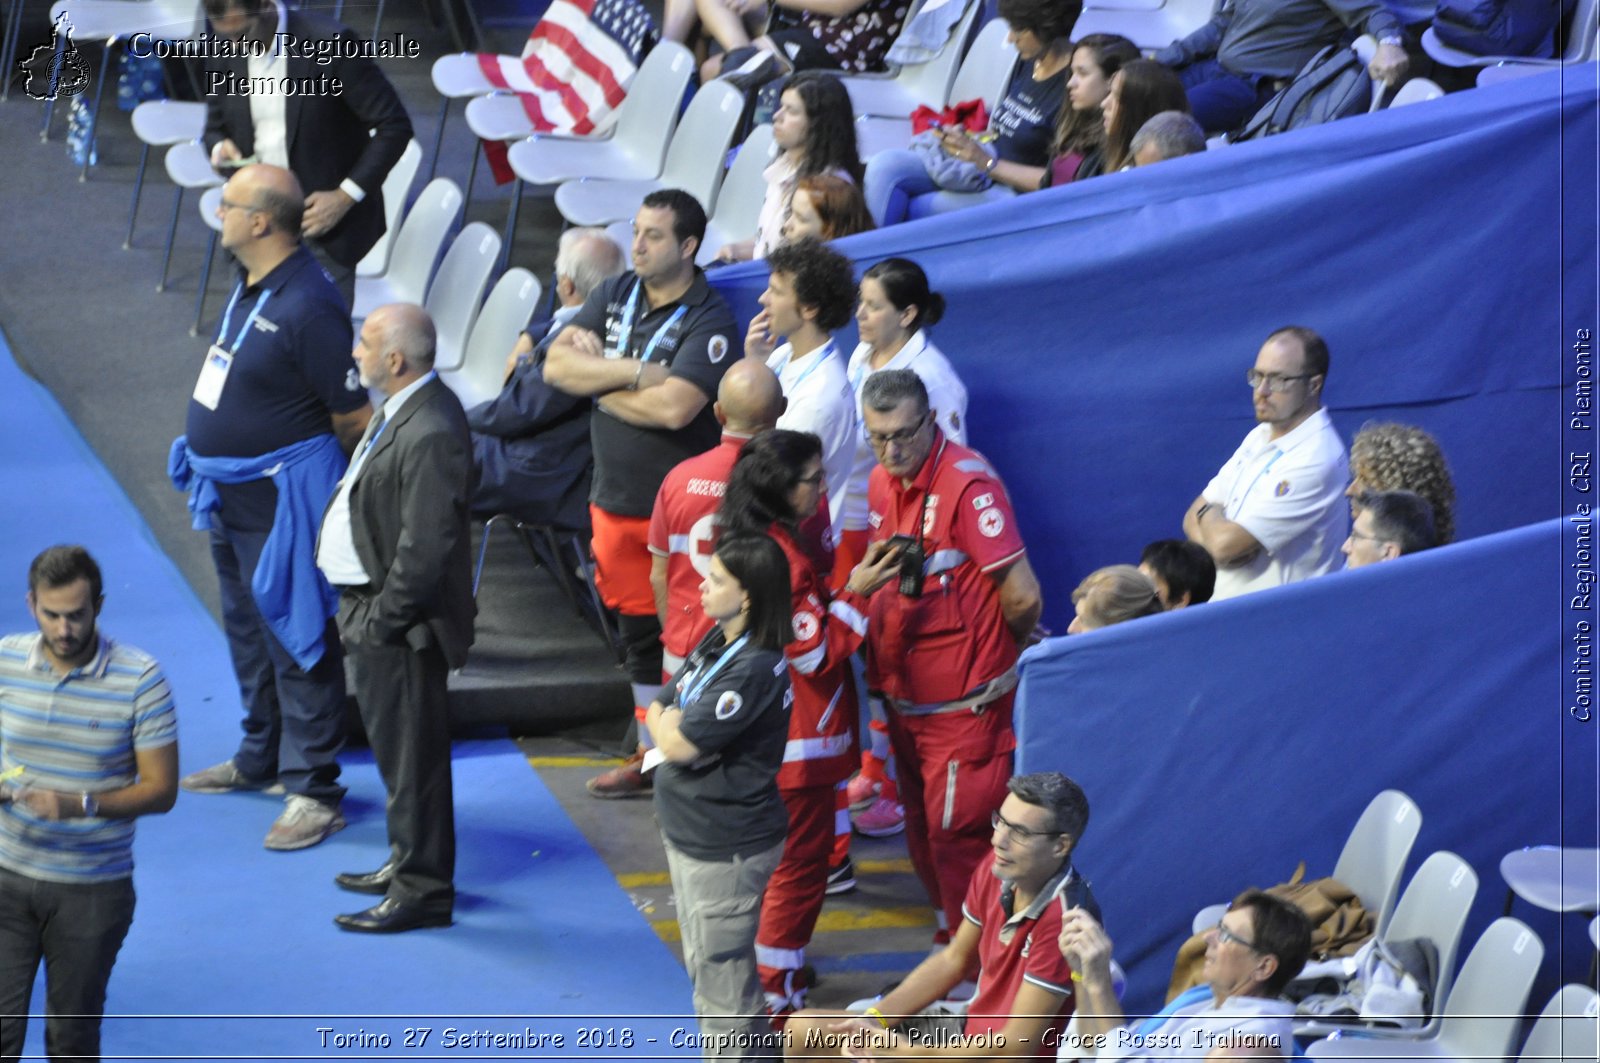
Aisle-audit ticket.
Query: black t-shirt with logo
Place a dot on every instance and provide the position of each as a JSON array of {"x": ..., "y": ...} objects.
[
  {"x": 698, "y": 345},
  {"x": 726, "y": 803}
]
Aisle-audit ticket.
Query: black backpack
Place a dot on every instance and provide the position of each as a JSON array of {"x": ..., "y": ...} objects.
[{"x": 1333, "y": 84}]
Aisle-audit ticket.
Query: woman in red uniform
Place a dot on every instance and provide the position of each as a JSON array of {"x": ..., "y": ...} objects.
[{"x": 776, "y": 485}]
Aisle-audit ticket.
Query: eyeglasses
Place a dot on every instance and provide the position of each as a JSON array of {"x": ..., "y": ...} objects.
[
  {"x": 225, "y": 205},
  {"x": 1224, "y": 935},
  {"x": 1275, "y": 382},
  {"x": 1369, "y": 538},
  {"x": 812, "y": 480},
  {"x": 879, "y": 440},
  {"x": 1022, "y": 834}
]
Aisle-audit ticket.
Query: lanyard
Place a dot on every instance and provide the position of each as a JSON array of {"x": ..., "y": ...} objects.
[
  {"x": 227, "y": 316},
  {"x": 695, "y": 683},
  {"x": 827, "y": 351},
  {"x": 1264, "y": 470},
  {"x": 625, "y": 333}
]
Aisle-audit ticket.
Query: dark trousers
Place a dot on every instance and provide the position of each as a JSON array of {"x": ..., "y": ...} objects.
[
  {"x": 77, "y": 929},
  {"x": 293, "y": 719},
  {"x": 343, "y": 276},
  {"x": 401, "y": 692}
]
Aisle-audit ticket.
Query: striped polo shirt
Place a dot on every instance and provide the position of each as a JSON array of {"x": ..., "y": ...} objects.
[{"x": 76, "y": 732}]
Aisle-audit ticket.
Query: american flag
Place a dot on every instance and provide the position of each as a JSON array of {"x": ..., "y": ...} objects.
[{"x": 578, "y": 63}]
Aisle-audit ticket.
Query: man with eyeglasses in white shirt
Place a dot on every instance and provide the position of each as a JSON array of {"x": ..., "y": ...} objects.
[
  {"x": 1257, "y": 948},
  {"x": 1273, "y": 514}
]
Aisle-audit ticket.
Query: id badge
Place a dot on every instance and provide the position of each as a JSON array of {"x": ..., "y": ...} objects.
[{"x": 213, "y": 377}]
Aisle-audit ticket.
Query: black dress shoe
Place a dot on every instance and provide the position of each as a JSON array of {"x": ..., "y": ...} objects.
[
  {"x": 375, "y": 882},
  {"x": 389, "y": 916}
]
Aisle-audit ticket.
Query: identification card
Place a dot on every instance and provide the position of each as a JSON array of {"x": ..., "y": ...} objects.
[{"x": 213, "y": 377}]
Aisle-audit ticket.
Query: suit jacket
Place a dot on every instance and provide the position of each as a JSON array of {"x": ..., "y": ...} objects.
[
  {"x": 408, "y": 514},
  {"x": 328, "y": 135}
]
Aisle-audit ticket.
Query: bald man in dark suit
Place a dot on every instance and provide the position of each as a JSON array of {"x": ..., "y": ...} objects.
[{"x": 396, "y": 542}]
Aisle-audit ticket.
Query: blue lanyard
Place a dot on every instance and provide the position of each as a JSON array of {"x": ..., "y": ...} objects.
[
  {"x": 227, "y": 316},
  {"x": 694, "y": 683},
  {"x": 1264, "y": 470},
  {"x": 827, "y": 349},
  {"x": 625, "y": 333}
]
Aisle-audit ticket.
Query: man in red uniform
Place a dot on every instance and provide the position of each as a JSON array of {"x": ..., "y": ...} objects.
[
  {"x": 943, "y": 640},
  {"x": 1011, "y": 921},
  {"x": 682, "y": 522}
]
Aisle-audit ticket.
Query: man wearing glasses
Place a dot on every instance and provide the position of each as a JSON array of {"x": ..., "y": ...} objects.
[
  {"x": 942, "y": 642},
  {"x": 1388, "y": 524},
  {"x": 1016, "y": 903},
  {"x": 1272, "y": 515},
  {"x": 1257, "y": 949}
]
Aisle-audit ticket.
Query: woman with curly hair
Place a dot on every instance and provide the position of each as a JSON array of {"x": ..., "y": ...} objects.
[
  {"x": 815, "y": 131},
  {"x": 1401, "y": 457}
]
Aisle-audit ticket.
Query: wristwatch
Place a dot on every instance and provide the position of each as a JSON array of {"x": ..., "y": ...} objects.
[{"x": 91, "y": 807}]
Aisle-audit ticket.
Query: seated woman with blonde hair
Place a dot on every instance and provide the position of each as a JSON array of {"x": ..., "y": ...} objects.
[{"x": 1112, "y": 595}]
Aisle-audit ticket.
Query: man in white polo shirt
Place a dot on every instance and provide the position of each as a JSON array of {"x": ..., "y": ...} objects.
[
  {"x": 810, "y": 293},
  {"x": 1274, "y": 513}
]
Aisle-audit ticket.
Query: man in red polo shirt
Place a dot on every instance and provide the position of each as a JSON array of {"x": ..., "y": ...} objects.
[
  {"x": 943, "y": 640},
  {"x": 1011, "y": 920}
]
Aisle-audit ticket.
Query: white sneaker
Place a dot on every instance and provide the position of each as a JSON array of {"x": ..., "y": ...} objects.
[{"x": 305, "y": 821}]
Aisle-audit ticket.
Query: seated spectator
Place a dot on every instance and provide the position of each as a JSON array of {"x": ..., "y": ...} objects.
[
  {"x": 851, "y": 36},
  {"x": 1141, "y": 90},
  {"x": 1167, "y": 136},
  {"x": 1400, "y": 457},
  {"x": 1025, "y": 988},
  {"x": 1080, "y": 128},
  {"x": 815, "y": 132},
  {"x": 1112, "y": 595},
  {"x": 1387, "y": 525},
  {"x": 825, "y": 207},
  {"x": 1182, "y": 571},
  {"x": 1016, "y": 148},
  {"x": 808, "y": 296},
  {"x": 1252, "y": 48},
  {"x": 530, "y": 444},
  {"x": 1258, "y": 948},
  {"x": 1271, "y": 515}
]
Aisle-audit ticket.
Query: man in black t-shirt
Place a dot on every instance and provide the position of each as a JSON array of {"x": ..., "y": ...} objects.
[
  {"x": 651, "y": 347},
  {"x": 277, "y": 407}
]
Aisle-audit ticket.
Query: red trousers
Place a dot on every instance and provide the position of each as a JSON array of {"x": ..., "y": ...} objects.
[
  {"x": 951, "y": 782},
  {"x": 794, "y": 894}
]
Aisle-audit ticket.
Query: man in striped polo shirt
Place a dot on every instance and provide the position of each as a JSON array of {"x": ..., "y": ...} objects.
[{"x": 88, "y": 741}]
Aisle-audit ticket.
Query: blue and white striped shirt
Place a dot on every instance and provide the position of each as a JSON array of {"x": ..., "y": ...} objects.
[{"x": 76, "y": 732}]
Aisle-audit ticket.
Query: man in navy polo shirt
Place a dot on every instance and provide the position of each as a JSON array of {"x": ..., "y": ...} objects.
[{"x": 276, "y": 409}]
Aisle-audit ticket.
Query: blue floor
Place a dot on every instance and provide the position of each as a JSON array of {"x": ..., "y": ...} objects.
[{"x": 233, "y": 953}]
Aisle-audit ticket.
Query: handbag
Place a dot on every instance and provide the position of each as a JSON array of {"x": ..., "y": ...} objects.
[{"x": 945, "y": 170}]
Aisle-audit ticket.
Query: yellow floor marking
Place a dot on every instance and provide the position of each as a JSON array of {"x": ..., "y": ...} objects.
[
  {"x": 834, "y": 921},
  {"x": 574, "y": 762}
]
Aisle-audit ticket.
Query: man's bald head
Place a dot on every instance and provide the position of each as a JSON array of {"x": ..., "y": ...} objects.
[
  {"x": 749, "y": 399},
  {"x": 275, "y": 192}
]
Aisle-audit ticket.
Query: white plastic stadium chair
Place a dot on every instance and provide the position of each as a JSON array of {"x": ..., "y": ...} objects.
[
  {"x": 416, "y": 250},
  {"x": 457, "y": 291},
  {"x": 1417, "y": 90},
  {"x": 916, "y": 84},
  {"x": 1566, "y": 1031},
  {"x": 1372, "y": 860},
  {"x": 739, "y": 202},
  {"x": 160, "y": 124},
  {"x": 396, "y": 190},
  {"x": 637, "y": 148},
  {"x": 1147, "y": 25},
  {"x": 455, "y": 77},
  {"x": 189, "y": 167},
  {"x": 694, "y": 163},
  {"x": 1580, "y": 35},
  {"x": 1481, "y": 1016},
  {"x": 983, "y": 76},
  {"x": 1434, "y": 906},
  {"x": 505, "y": 314}
]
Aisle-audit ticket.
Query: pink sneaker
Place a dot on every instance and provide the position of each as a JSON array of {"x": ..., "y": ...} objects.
[
  {"x": 861, "y": 791},
  {"x": 881, "y": 819}
]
